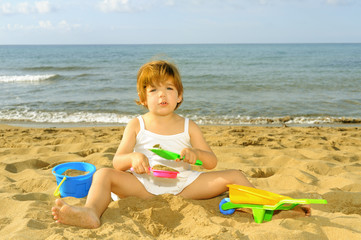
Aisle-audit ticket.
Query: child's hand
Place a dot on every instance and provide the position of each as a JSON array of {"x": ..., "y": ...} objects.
[
  {"x": 140, "y": 163},
  {"x": 188, "y": 155}
]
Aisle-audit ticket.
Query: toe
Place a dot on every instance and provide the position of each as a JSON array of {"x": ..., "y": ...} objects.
[
  {"x": 308, "y": 212},
  {"x": 306, "y": 209},
  {"x": 54, "y": 211},
  {"x": 59, "y": 203}
]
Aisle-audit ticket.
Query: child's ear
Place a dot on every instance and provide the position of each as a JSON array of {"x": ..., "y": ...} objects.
[
  {"x": 180, "y": 98},
  {"x": 144, "y": 103}
]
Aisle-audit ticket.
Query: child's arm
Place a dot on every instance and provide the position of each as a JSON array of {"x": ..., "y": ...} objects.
[
  {"x": 200, "y": 149},
  {"x": 125, "y": 157}
]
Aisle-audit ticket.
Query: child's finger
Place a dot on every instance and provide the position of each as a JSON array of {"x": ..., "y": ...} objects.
[
  {"x": 194, "y": 159},
  {"x": 182, "y": 154},
  {"x": 145, "y": 166},
  {"x": 185, "y": 157}
]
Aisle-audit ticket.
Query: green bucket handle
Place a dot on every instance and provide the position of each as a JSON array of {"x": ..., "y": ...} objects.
[{"x": 57, "y": 192}]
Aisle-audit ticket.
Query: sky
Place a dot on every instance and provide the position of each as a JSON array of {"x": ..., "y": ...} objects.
[{"x": 179, "y": 21}]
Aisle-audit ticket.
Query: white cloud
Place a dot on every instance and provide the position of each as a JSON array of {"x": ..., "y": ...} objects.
[
  {"x": 114, "y": 6},
  {"x": 169, "y": 2},
  {"x": 6, "y": 8},
  {"x": 45, "y": 24},
  {"x": 42, "y": 25},
  {"x": 64, "y": 25},
  {"x": 128, "y": 5},
  {"x": 333, "y": 1},
  {"x": 23, "y": 8},
  {"x": 40, "y": 7},
  {"x": 14, "y": 27},
  {"x": 341, "y": 2}
]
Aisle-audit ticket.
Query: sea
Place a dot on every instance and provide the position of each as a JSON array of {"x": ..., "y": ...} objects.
[{"x": 224, "y": 84}]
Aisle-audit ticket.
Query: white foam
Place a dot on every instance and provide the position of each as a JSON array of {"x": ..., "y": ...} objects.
[
  {"x": 27, "y": 115},
  {"x": 247, "y": 120},
  {"x": 26, "y": 78},
  {"x": 63, "y": 117}
]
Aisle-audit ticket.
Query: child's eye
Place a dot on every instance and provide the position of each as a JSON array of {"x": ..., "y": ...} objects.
[{"x": 152, "y": 90}]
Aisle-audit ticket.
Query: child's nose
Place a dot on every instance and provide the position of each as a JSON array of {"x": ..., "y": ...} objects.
[{"x": 162, "y": 93}]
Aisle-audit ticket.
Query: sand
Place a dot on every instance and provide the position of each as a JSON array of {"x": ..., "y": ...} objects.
[{"x": 301, "y": 162}]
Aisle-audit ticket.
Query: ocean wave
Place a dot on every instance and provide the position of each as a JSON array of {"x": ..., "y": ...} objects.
[
  {"x": 286, "y": 120},
  {"x": 52, "y": 68},
  {"x": 63, "y": 117},
  {"x": 27, "y": 78},
  {"x": 26, "y": 115}
]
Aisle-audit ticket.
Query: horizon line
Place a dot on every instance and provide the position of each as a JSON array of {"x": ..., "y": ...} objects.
[{"x": 105, "y": 44}]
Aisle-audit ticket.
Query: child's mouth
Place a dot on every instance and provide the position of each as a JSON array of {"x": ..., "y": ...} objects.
[{"x": 163, "y": 103}]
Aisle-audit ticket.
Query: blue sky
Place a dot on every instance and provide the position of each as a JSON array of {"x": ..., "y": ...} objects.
[{"x": 179, "y": 21}]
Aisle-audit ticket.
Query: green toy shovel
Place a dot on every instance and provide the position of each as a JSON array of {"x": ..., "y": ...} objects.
[{"x": 170, "y": 155}]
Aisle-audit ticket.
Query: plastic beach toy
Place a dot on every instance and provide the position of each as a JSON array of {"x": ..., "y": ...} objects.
[
  {"x": 162, "y": 173},
  {"x": 170, "y": 155},
  {"x": 243, "y": 194},
  {"x": 77, "y": 186},
  {"x": 262, "y": 203}
]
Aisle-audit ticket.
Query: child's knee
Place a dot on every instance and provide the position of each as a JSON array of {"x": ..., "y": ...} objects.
[
  {"x": 103, "y": 173},
  {"x": 236, "y": 175},
  {"x": 235, "y": 172}
]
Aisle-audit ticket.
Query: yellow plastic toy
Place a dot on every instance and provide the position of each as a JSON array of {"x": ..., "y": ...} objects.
[{"x": 262, "y": 203}]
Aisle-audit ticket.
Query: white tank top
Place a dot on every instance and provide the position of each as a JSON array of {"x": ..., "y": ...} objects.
[{"x": 145, "y": 140}]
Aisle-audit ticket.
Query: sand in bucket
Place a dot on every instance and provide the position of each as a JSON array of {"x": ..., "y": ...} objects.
[
  {"x": 74, "y": 173},
  {"x": 73, "y": 184},
  {"x": 163, "y": 168}
]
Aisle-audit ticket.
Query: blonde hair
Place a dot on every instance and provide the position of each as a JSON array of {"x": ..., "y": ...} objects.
[{"x": 156, "y": 73}]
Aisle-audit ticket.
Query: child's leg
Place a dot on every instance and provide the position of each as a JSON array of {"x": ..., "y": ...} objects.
[
  {"x": 211, "y": 184},
  {"x": 105, "y": 181}
]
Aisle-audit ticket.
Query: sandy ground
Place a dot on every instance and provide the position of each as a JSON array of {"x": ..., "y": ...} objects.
[{"x": 301, "y": 162}]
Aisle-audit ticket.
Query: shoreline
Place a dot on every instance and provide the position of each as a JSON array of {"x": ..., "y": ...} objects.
[{"x": 86, "y": 125}]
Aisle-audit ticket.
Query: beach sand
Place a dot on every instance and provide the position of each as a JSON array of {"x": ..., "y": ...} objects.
[{"x": 301, "y": 162}]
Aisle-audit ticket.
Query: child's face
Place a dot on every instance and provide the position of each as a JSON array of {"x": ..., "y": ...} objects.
[{"x": 162, "y": 99}]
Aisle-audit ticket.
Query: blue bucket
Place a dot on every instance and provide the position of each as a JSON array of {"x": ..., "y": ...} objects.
[{"x": 77, "y": 186}]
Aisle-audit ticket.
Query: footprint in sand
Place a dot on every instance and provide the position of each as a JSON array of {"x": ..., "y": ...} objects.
[
  {"x": 32, "y": 197},
  {"x": 20, "y": 165}
]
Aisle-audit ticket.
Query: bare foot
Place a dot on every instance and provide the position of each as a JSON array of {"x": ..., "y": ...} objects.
[
  {"x": 76, "y": 216},
  {"x": 303, "y": 210}
]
